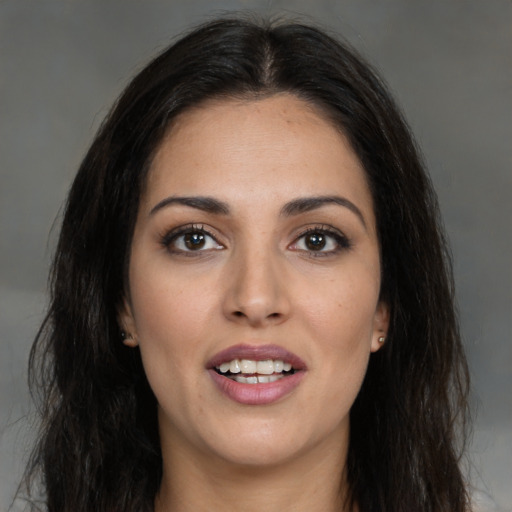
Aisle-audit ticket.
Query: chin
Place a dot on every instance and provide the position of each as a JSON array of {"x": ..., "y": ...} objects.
[
  {"x": 260, "y": 444},
  {"x": 261, "y": 453}
]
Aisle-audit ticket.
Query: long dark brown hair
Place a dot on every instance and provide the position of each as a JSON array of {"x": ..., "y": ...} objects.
[{"x": 98, "y": 448}]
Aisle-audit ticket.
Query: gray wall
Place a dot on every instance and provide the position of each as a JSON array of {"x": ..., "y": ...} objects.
[{"x": 449, "y": 62}]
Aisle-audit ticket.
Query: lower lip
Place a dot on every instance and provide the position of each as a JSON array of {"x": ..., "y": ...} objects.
[{"x": 256, "y": 394}]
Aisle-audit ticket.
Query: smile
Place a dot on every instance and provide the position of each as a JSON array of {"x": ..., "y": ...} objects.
[
  {"x": 256, "y": 375},
  {"x": 248, "y": 371}
]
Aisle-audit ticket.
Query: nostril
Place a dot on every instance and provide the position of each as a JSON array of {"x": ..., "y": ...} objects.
[{"x": 255, "y": 316}]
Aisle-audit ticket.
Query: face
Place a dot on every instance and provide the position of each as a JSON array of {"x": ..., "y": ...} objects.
[{"x": 254, "y": 282}]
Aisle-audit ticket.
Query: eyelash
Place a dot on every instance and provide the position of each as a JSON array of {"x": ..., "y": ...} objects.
[
  {"x": 168, "y": 239},
  {"x": 342, "y": 242}
]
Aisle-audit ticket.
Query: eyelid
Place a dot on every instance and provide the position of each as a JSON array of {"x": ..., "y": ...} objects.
[
  {"x": 170, "y": 236},
  {"x": 342, "y": 241}
]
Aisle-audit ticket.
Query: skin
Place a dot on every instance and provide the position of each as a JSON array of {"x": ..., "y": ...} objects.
[{"x": 255, "y": 281}]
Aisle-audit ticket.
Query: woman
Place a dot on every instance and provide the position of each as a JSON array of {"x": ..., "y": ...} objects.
[{"x": 252, "y": 302}]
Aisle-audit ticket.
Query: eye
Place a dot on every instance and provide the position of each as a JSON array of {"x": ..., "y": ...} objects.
[
  {"x": 322, "y": 240},
  {"x": 190, "y": 239}
]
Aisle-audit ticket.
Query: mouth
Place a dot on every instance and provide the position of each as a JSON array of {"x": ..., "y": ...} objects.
[
  {"x": 250, "y": 371},
  {"x": 256, "y": 375}
]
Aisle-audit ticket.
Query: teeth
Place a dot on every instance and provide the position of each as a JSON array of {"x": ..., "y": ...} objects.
[
  {"x": 248, "y": 366},
  {"x": 224, "y": 367},
  {"x": 265, "y": 367},
  {"x": 260, "y": 379},
  {"x": 234, "y": 366}
]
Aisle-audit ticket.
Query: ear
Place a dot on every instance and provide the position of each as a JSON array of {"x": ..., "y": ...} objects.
[
  {"x": 127, "y": 324},
  {"x": 380, "y": 326}
]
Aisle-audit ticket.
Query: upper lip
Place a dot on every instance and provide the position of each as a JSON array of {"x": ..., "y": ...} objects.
[{"x": 256, "y": 353}]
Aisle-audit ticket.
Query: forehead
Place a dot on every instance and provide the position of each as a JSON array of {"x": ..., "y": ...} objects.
[{"x": 267, "y": 148}]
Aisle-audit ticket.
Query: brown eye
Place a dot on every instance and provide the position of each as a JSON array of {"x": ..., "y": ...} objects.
[
  {"x": 315, "y": 241},
  {"x": 321, "y": 241},
  {"x": 190, "y": 239},
  {"x": 194, "y": 241}
]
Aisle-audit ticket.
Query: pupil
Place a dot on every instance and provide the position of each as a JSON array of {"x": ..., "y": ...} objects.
[
  {"x": 194, "y": 240},
  {"x": 315, "y": 241}
]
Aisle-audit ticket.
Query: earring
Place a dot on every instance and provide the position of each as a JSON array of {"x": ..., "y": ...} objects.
[
  {"x": 128, "y": 339},
  {"x": 381, "y": 339}
]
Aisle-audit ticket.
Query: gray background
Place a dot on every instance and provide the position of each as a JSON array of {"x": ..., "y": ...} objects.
[{"x": 62, "y": 63}]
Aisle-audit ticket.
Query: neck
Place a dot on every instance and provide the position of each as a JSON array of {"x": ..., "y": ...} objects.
[{"x": 311, "y": 482}]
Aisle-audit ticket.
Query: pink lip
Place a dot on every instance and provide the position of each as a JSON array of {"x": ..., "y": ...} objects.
[{"x": 261, "y": 393}]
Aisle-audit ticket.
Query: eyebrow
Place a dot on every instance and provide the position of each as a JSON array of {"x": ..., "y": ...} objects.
[
  {"x": 206, "y": 204},
  {"x": 294, "y": 207},
  {"x": 307, "y": 204}
]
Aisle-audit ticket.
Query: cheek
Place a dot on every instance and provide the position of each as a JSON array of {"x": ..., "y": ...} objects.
[
  {"x": 171, "y": 318},
  {"x": 342, "y": 308},
  {"x": 339, "y": 318}
]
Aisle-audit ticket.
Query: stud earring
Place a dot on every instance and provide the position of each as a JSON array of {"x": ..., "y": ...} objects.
[
  {"x": 128, "y": 339},
  {"x": 382, "y": 339}
]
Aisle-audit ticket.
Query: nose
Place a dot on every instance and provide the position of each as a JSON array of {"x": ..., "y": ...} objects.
[{"x": 256, "y": 294}]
